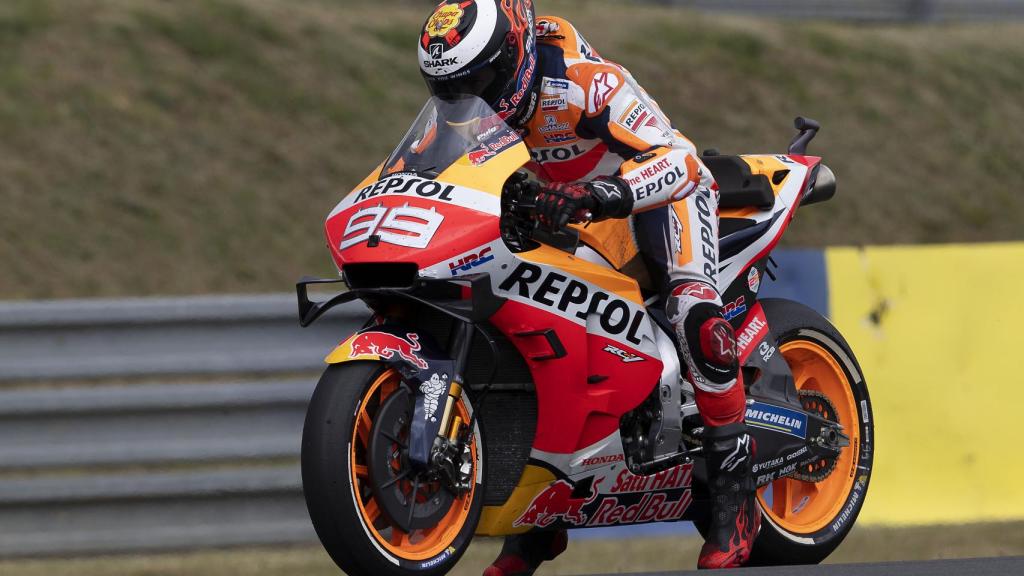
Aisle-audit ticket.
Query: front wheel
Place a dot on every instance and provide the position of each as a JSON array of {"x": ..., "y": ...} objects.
[
  {"x": 374, "y": 514},
  {"x": 808, "y": 515}
]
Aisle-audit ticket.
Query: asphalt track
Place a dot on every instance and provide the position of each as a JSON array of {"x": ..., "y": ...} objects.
[{"x": 967, "y": 567}]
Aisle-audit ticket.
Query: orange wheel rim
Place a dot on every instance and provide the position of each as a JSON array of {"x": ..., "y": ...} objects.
[
  {"x": 419, "y": 544},
  {"x": 806, "y": 507}
]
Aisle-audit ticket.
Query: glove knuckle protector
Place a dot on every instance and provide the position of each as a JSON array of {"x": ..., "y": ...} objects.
[{"x": 559, "y": 202}]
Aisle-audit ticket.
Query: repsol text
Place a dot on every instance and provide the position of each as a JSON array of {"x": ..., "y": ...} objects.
[
  {"x": 406, "y": 184},
  {"x": 557, "y": 291}
]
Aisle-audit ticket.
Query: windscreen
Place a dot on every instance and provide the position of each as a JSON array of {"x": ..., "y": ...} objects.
[{"x": 445, "y": 130}]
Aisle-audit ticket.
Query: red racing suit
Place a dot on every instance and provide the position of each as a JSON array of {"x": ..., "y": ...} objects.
[{"x": 592, "y": 119}]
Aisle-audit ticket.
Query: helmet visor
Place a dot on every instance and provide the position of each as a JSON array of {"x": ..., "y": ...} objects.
[{"x": 489, "y": 81}]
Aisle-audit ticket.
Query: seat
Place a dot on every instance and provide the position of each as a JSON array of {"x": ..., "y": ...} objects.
[{"x": 738, "y": 187}]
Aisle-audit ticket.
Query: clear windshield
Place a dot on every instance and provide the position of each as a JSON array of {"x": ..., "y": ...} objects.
[{"x": 447, "y": 129}]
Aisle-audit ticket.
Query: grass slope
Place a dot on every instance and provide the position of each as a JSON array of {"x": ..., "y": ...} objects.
[
  {"x": 865, "y": 544},
  {"x": 154, "y": 147}
]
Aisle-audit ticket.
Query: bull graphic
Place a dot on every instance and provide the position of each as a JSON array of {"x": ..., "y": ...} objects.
[
  {"x": 432, "y": 390},
  {"x": 387, "y": 346},
  {"x": 554, "y": 503},
  {"x": 480, "y": 155}
]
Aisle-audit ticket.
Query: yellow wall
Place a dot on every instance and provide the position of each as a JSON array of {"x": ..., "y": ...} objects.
[{"x": 944, "y": 369}]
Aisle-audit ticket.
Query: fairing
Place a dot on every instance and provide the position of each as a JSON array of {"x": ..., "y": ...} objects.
[
  {"x": 741, "y": 250},
  {"x": 437, "y": 194}
]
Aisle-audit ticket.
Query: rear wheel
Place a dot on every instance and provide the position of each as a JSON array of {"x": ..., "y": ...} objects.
[
  {"x": 808, "y": 515},
  {"x": 373, "y": 513}
]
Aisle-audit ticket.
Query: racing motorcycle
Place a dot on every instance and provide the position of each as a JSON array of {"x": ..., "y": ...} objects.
[{"x": 512, "y": 379}]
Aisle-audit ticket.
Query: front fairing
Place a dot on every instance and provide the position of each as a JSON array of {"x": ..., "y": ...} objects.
[{"x": 436, "y": 217}]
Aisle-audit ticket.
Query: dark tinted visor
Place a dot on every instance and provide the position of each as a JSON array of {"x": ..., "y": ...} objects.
[{"x": 488, "y": 82}]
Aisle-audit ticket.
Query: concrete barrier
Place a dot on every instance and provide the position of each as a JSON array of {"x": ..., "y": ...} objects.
[{"x": 937, "y": 330}]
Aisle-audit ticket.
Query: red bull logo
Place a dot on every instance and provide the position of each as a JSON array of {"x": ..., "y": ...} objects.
[
  {"x": 555, "y": 503},
  {"x": 388, "y": 346},
  {"x": 480, "y": 155},
  {"x": 652, "y": 507},
  {"x": 660, "y": 497}
]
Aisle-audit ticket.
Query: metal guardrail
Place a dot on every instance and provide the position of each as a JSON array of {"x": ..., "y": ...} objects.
[
  {"x": 207, "y": 465},
  {"x": 866, "y": 10},
  {"x": 150, "y": 424},
  {"x": 74, "y": 339},
  {"x": 89, "y": 468}
]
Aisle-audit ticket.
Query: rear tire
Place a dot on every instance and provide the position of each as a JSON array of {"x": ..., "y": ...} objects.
[
  {"x": 805, "y": 338},
  {"x": 357, "y": 534}
]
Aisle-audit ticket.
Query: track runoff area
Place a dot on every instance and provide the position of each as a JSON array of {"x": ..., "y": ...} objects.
[{"x": 967, "y": 567}]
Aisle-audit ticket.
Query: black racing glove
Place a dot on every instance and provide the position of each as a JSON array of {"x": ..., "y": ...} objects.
[
  {"x": 606, "y": 197},
  {"x": 612, "y": 196},
  {"x": 559, "y": 204}
]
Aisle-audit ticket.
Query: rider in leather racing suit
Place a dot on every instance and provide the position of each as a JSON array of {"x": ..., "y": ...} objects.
[{"x": 601, "y": 145}]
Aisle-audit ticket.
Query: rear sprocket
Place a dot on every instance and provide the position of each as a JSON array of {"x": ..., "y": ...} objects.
[{"x": 817, "y": 403}]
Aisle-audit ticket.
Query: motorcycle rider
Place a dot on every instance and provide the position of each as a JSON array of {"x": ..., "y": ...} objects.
[{"x": 602, "y": 147}]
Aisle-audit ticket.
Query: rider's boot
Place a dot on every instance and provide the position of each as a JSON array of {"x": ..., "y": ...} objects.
[
  {"x": 523, "y": 553},
  {"x": 735, "y": 515}
]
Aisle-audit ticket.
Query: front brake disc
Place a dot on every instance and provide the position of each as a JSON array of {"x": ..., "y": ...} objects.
[{"x": 413, "y": 499}]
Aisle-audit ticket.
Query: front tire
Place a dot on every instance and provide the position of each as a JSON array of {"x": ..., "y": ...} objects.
[
  {"x": 803, "y": 522},
  {"x": 354, "y": 529}
]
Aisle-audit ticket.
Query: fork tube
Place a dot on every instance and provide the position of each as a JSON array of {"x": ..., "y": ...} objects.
[{"x": 460, "y": 352}]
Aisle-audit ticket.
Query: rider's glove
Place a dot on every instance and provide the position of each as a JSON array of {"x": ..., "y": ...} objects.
[{"x": 559, "y": 204}]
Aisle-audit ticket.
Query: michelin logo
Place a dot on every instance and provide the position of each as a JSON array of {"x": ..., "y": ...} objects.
[
  {"x": 438, "y": 559},
  {"x": 777, "y": 418},
  {"x": 432, "y": 390}
]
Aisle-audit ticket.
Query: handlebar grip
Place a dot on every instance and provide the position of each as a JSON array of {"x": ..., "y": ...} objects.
[{"x": 532, "y": 187}]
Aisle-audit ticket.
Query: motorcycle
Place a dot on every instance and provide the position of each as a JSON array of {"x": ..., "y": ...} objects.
[{"x": 512, "y": 379}]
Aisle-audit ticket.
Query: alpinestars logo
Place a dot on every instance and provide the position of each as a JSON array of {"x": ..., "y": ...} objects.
[
  {"x": 698, "y": 290},
  {"x": 739, "y": 455},
  {"x": 601, "y": 89},
  {"x": 432, "y": 390},
  {"x": 607, "y": 189},
  {"x": 722, "y": 342}
]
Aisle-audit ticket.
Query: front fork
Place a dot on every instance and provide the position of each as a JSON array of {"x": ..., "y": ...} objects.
[
  {"x": 450, "y": 452},
  {"x": 460, "y": 352}
]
